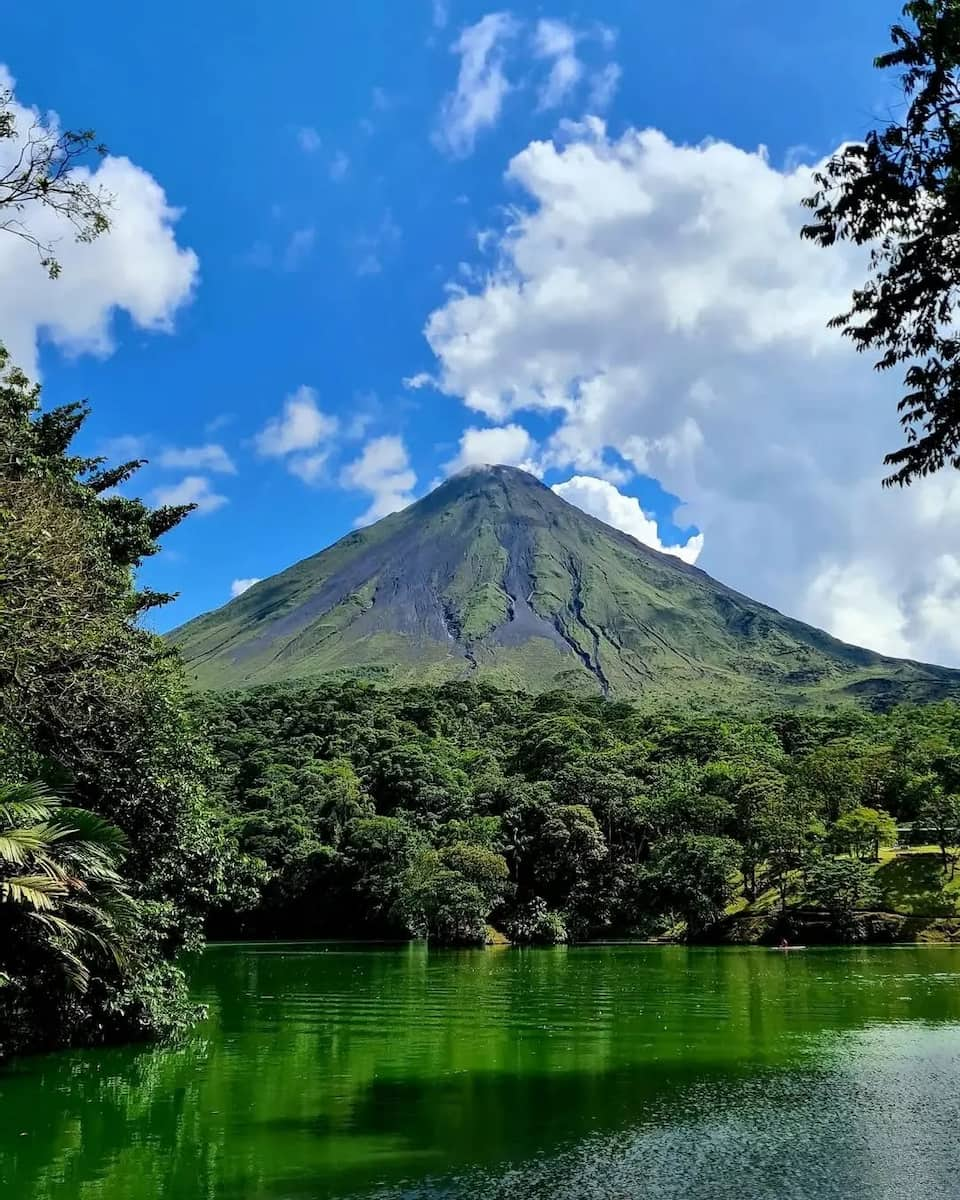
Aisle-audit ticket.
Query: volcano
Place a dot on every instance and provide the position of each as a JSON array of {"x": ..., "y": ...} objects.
[{"x": 494, "y": 577}]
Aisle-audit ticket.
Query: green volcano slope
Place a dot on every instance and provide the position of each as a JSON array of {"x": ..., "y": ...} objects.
[{"x": 492, "y": 576}]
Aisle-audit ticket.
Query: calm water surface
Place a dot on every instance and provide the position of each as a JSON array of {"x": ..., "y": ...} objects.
[{"x": 599, "y": 1072}]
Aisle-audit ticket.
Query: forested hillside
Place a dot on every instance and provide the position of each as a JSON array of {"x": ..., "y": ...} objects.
[{"x": 442, "y": 811}]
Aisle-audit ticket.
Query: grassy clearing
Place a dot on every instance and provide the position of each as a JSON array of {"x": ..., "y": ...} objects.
[{"x": 911, "y": 880}]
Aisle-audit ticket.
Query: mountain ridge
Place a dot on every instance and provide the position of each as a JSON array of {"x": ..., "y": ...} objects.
[{"x": 493, "y": 576}]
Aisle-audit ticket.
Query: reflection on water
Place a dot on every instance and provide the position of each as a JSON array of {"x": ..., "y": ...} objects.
[{"x": 658, "y": 1072}]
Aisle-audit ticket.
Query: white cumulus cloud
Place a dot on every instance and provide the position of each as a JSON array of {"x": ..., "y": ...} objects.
[
  {"x": 502, "y": 445},
  {"x": 383, "y": 470},
  {"x": 239, "y": 586},
  {"x": 602, "y": 500},
  {"x": 137, "y": 268},
  {"x": 192, "y": 489},
  {"x": 654, "y": 301},
  {"x": 300, "y": 426}
]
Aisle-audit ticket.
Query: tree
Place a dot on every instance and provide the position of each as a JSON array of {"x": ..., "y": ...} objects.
[
  {"x": 554, "y": 741},
  {"x": 90, "y": 696},
  {"x": 940, "y": 810},
  {"x": 791, "y": 832},
  {"x": 862, "y": 831},
  {"x": 683, "y": 798},
  {"x": 532, "y": 923},
  {"x": 567, "y": 847},
  {"x": 841, "y": 886},
  {"x": 418, "y": 779},
  {"x": 448, "y": 895},
  {"x": 377, "y": 851},
  {"x": 339, "y": 798},
  {"x": 486, "y": 870},
  {"x": 656, "y": 826},
  {"x": 39, "y": 168},
  {"x": 836, "y": 776},
  {"x": 760, "y": 806},
  {"x": 693, "y": 876},
  {"x": 899, "y": 193}
]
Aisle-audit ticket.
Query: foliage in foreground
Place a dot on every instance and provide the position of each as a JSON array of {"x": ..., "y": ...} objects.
[
  {"x": 62, "y": 901},
  {"x": 41, "y": 170},
  {"x": 440, "y": 811},
  {"x": 898, "y": 192},
  {"x": 91, "y": 704}
]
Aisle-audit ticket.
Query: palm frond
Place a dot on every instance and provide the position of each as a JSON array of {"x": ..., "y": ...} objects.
[
  {"x": 20, "y": 843},
  {"x": 91, "y": 829},
  {"x": 23, "y": 812},
  {"x": 67, "y": 881},
  {"x": 58, "y": 926},
  {"x": 39, "y": 892},
  {"x": 74, "y": 968},
  {"x": 30, "y": 802}
]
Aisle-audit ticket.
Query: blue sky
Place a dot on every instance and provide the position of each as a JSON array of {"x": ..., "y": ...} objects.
[{"x": 341, "y": 176}]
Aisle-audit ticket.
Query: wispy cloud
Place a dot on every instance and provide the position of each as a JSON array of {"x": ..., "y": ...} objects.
[
  {"x": 301, "y": 435},
  {"x": 557, "y": 41},
  {"x": 422, "y": 379},
  {"x": 367, "y": 409},
  {"x": 339, "y": 166},
  {"x": 290, "y": 257},
  {"x": 218, "y": 422},
  {"x": 298, "y": 248},
  {"x": 311, "y": 468},
  {"x": 210, "y": 457},
  {"x": 308, "y": 139},
  {"x": 482, "y": 85},
  {"x": 124, "y": 448},
  {"x": 260, "y": 256},
  {"x": 370, "y": 249},
  {"x": 476, "y": 103},
  {"x": 603, "y": 87}
]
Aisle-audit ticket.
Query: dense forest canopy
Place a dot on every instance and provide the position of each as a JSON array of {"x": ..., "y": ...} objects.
[{"x": 441, "y": 811}]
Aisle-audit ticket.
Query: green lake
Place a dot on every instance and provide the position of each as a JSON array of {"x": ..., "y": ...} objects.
[{"x": 614, "y": 1072}]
